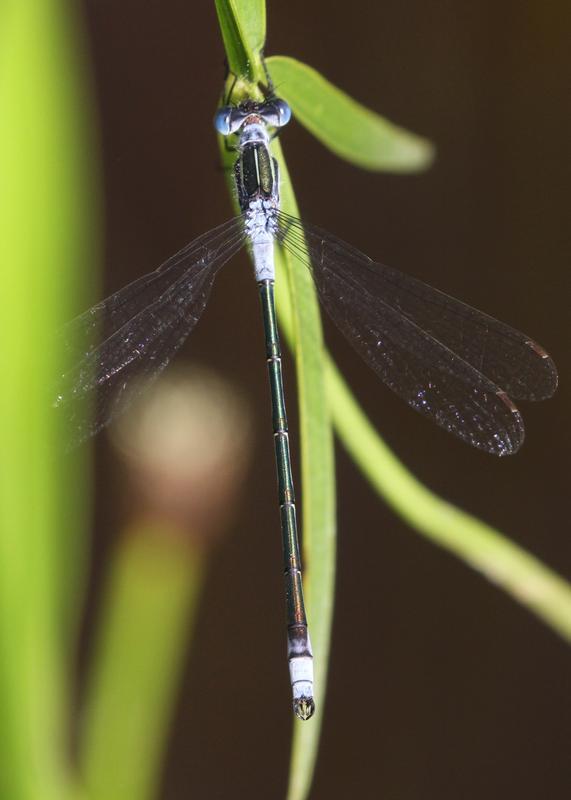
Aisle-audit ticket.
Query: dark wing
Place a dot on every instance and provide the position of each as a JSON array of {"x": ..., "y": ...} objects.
[
  {"x": 133, "y": 334},
  {"x": 447, "y": 360}
]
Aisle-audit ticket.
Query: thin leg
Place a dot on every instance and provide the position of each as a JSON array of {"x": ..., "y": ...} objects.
[
  {"x": 270, "y": 92},
  {"x": 299, "y": 647},
  {"x": 229, "y": 95}
]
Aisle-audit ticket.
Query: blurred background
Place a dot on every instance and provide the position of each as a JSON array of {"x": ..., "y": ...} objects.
[{"x": 457, "y": 692}]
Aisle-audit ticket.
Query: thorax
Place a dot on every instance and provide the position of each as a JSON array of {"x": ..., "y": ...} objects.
[{"x": 256, "y": 171}]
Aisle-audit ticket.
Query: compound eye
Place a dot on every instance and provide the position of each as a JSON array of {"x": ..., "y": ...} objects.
[
  {"x": 223, "y": 120},
  {"x": 283, "y": 112}
]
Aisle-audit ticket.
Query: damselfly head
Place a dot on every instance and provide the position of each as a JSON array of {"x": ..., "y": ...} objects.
[{"x": 273, "y": 113}]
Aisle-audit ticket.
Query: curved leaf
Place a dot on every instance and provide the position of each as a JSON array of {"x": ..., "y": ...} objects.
[
  {"x": 343, "y": 125},
  {"x": 511, "y": 568}
]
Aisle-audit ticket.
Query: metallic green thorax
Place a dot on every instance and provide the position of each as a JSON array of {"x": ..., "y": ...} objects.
[{"x": 254, "y": 174}]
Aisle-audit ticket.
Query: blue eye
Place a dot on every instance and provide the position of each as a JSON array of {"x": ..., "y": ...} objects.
[
  {"x": 283, "y": 111},
  {"x": 222, "y": 120},
  {"x": 275, "y": 113}
]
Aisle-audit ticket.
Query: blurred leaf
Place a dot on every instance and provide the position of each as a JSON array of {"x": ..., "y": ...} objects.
[
  {"x": 149, "y": 609},
  {"x": 243, "y": 26},
  {"x": 343, "y": 125},
  {"x": 45, "y": 207}
]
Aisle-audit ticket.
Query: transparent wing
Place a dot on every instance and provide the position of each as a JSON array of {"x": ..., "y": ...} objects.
[
  {"x": 135, "y": 332},
  {"x": 447, "y": 360}
]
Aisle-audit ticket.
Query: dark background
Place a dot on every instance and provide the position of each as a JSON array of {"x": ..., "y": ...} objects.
[{"x": 440, "y": 685}]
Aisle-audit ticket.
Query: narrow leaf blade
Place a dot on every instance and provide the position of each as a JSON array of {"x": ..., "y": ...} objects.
[
  {"x": 243, "y": 26},
  {"x": 252, "y": 18},
  {"x": 344, "y": 126},
  {"x": 300, "y": 322}
]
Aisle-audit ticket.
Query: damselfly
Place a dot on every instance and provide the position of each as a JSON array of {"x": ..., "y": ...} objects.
[{"x": 450, "y": 362}]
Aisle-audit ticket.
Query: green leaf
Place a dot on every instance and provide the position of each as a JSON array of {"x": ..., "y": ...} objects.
[
  {"x": 529, "y": 582},
  {"x": 46, "y": 194},
  {"x": 243, "y": 26},
  {"x": 343, "y": 125},
  {"x": 252, "y": 16},
  {"x": 150, "y": 601},
  {"x": 300, "y": 322}
]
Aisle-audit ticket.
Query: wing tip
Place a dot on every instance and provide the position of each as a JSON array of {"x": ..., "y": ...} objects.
[
  {"x": 511, "y": 442},
  {"x": 551, "y": 374}
]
